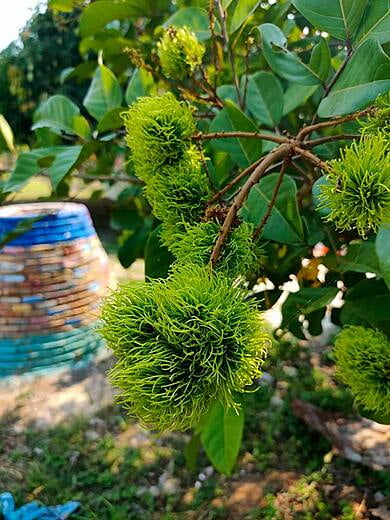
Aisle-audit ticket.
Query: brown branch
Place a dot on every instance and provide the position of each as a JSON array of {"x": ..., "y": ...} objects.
[
  {"x": 123, "y": 178},
  {"x": 233, "y": 182},
  {"x": 328, "y": 139},
  {"x": 229, "y": 50},
  {"x": 271, "y": 204},
  {"x": 278, "y": 153},
  {"x": 312, "y": 158},
  {"x": 334, "y": 122},
  {"x": 243, "y": 135},
  {"x": 333, "y": 80}
]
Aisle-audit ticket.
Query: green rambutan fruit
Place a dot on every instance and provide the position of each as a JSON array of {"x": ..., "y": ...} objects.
[
  {"x": 179, "y": 52},
  {"x": 362, "y": 359},
  {"x": 182, "y": 343},
  {"x": 357, "y": 189},
  {"x": 194, "y": 244},
  {"x": 179, "y": 193},
  {"x": 379, "y": 121},
  {"x": 158, "y": 132}
]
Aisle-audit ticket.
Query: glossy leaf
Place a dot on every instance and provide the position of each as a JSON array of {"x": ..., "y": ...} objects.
[
  {"x": 7, "y": 133},
  {"x": 195, "y": 18},
  {"x": 375, "y": 22},
  {"x": 242, "y": 11},
  {"x": 58, "y": 161},
  {"x": 111, "y": 120},
  {"x": 320, "y": 59},
  {"x": 265, "y": 98},
  {"x": 125, "y": 219},
  {"x": 365, "y": 77},
  {"x": 297, "y": 95},
  {"x": 61, "y": 115},
  {"x": 283, "y": 62},
  {"x": 367, "y": 304},
  {"x": 311, "y": 303},
  {"x": 361, "y": 257},
  {"x": 340, "y": 18},
  {"x": 104, "y": 93},
  {"x": 98, "y": 14},
  {"x": 284, "y": 224},
  {"x": 242, "y": 151},
  {"x": 158, "y": 259},
  {"x": 382, "y": 246},
  {"x": 141, "y": 84},
  {"x": 221, "y": 437},
  {"x": 63, "y": 163},
  {"x": 133, "y": 247}
]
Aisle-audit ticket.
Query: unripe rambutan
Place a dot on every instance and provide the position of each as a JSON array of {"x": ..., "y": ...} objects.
[
  {"x": 357, "y": 191},
  {"x": 179, "y": 52},
  {"x": 379, "y": 121},
  {"x": 362, "y": 359},
  {"x": 158, "y": 132},
  {"x": 193, "y": 244},
  {"x": 181, "y": 344}
]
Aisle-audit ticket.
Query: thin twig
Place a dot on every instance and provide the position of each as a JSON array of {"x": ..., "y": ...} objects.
[
  {"x": 333, "y": 81},
  {"x": 246, "y": 80},
  {"x": 123, "y": 178},
  {"x": 281, "y": 151},
  {"x": 225, "y": 34},
  {"x": 271, "y": 204},
  {"x": 213, "y": 40},
  {"x": 243, "y": 135},
  {"x": 334, "y": 122},
  {"x": 328, "y": 139},
  {"x": 312, "y": 158},
  {"x": 233, "y": 182}
]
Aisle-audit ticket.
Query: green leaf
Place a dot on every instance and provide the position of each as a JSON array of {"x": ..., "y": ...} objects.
[
  {"x": 195, "y": 18},
  {"x": 158, "y": 259},
  {"x": 65, "y": 6},
  {"x": 61, "y": 115},
  {"x": 379, "y": 417},
  {"x": 360, "y": 258},
  {"x": 242, "y": 151},
  {"x": 284, "y": 224},
  {"x": 98, "y": 14},
  {"x": 265, "y": 98},
  {"x": 104, "y": 93},
  {"x": 340, "y": 18},
  {"x": 63, "y": 163},
  {"x": 191, "y": 452},
  {"x": 221, "y": 437},
  {"x": 382, "y": 247},
  {"x": 320, "y": 59},
  {"x": 375, "y": 22},
  {"x": 111, "y": 120},
  {"x": 367, "y": 304},
  {"x": 365, "y": 77},
  {"x": 141, "y": 84},
  {"x": 57, "y": 160},
  {"x": 133, "y": 247},
  {"x": 283, "y": 62},
  {"x": 7, "y": 133},
  {"x": 296, "y": 95},
  {"x": 243, "y": 10},
  {"x": 307, "y": 301},
  {"x": 125, "y": 219}
]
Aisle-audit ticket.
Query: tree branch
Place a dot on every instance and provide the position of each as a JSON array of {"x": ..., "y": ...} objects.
[
  {"x": 312, "y": 158},
  {"x": 334, "y": 122},
  {"x": 225, "y": 34},
  {"x": 328, "y": 139},
  {"x": 271, "y": 204},
  {"x": 278, "y": 153},
  {"x": 243, "y": 135}
]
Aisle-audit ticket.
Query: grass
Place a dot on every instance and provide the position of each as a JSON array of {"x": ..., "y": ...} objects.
[{"x": 118, "y": 472}]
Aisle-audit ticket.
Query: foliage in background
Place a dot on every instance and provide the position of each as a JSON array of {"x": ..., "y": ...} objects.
[{"x": 270, "y": 71}]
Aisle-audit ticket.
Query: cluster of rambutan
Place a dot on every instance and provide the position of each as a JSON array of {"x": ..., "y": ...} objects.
[{"x": 186, "y": 341}]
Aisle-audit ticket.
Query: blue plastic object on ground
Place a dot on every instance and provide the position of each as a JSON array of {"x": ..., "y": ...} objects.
[{"x": 34, "y": 511}]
